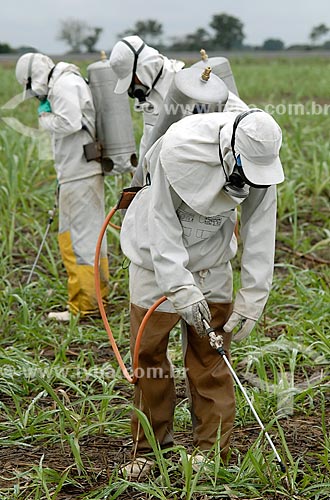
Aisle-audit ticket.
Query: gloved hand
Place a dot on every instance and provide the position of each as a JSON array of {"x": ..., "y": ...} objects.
[
  {"x": 44, "y": 107},
  {"x": 194, "y": 314},
  {"x": 245, "y": 326}
]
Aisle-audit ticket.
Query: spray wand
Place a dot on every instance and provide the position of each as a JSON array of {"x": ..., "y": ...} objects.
[
  {"x": 216, "y": 341},
  {"x": 51, "y": 214}
]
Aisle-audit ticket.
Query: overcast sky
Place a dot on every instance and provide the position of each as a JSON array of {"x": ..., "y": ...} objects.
[{"x": 36, "y": 22}]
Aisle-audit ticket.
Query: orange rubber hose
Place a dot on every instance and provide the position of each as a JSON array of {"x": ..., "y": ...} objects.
[
  {"x": 114, "y": 225},
  {"x": 139, "y": 337},
  {"x": 131, "y": 378},
  {"x": 99, "y": 296}
]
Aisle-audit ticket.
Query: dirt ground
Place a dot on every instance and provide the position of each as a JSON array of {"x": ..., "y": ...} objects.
[{"x": 102, "y": 454}]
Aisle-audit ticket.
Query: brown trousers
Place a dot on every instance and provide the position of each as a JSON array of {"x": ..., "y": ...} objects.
[{"x": 209, "y": 382}]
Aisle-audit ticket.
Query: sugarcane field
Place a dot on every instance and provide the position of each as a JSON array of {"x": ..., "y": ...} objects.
[{"x": 165, "y": 272}]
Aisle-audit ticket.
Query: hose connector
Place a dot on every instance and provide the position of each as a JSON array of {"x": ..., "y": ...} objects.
[
  {"x": 205, "y": 76},
  {"x": 203, "y": 54}
]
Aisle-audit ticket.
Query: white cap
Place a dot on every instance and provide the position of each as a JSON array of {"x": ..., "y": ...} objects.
[
  {"x": 258, "y": 141},
  {"x": 122, "y": 62}
]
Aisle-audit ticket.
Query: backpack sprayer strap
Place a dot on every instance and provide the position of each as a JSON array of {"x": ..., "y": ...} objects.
[
  {"x": 92, "y": 150},
  {"x": 127, "y": 197}
]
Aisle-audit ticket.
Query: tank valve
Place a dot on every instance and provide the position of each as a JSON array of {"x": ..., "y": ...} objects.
[
  {"x": 203, "y": 54},
  {"x": 103, "y": 55},
  {"x": 205, "y": 76}
]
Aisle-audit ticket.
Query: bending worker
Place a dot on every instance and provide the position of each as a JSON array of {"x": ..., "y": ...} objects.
[
  {"x": 66, "y": 110},
  {"x": 179, "y": 235}
]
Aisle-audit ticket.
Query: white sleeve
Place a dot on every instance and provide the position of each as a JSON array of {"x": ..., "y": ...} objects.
[
  {"x": 66, "y": 117},
  {"x": 235, "y": 104},
  {"x": 258, "y": 228},
  {"x": 169, "y": 255}
]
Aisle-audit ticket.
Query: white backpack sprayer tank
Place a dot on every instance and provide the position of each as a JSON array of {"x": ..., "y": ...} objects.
[
  {"x": 220, "y": 67},
  {"x": 192, "y": 91},
  {"x": 114, "y": 128}
]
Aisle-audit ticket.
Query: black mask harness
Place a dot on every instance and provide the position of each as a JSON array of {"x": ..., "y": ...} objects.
[
  {"x": 237, "y": 179},
  {"x": 139, "y": 91}
]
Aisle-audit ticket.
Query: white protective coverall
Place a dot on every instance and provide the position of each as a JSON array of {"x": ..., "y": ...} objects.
[
  {"x": 150, "y": 64},
  {"x": 71, "y": 124},
  {"x": 179, "y": 235}
]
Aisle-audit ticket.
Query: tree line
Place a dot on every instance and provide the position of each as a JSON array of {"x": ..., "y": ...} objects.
[{"x": 225, "y": 33}]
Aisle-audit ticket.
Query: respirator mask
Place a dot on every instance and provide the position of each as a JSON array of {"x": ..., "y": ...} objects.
[
  {"x": 236, "y": 184},
  {"x": 140, "y": 92}
]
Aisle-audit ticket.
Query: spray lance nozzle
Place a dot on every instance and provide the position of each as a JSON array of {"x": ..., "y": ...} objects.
[
  {"x": 216, "y": 339},
  {"x": 51, "y": 214}
]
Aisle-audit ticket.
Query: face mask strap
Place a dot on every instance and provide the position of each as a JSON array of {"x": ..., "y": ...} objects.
[
  {"x": 156, "y": 79},
  {"x": 234, "y": 178},
  {"x": 131, "y": 90},
  {"x": 221, "y": 157},
  {"x": 136, "y": 55},
  {"x": 28, "y": 85},
  {"x": 50, "y": 74},
  {"x": 237, "y": 179},
  {"x": 238, "y": 119},
  {"x": 238, "y": 165}
]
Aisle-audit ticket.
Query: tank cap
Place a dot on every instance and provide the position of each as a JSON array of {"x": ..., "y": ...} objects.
[
  {"x": 205, "y": 76},
  {"x": 203, "y": 54}
]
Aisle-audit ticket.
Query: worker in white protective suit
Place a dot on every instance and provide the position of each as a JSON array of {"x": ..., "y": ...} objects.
[
  {"x": 179, "y": 235},
  {"x": 146, "y": 75},
  {"x": 66, "y": 110}
]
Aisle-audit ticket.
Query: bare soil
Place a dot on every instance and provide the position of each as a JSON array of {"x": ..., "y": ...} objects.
[{"x": 103, "y": 454}]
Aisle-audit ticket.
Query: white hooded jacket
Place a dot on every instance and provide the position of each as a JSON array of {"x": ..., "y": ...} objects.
[
  {"x": 71, "y": 109},
  {"x": 184, "y": 222},
  {"x": 156, "y": 98}
]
